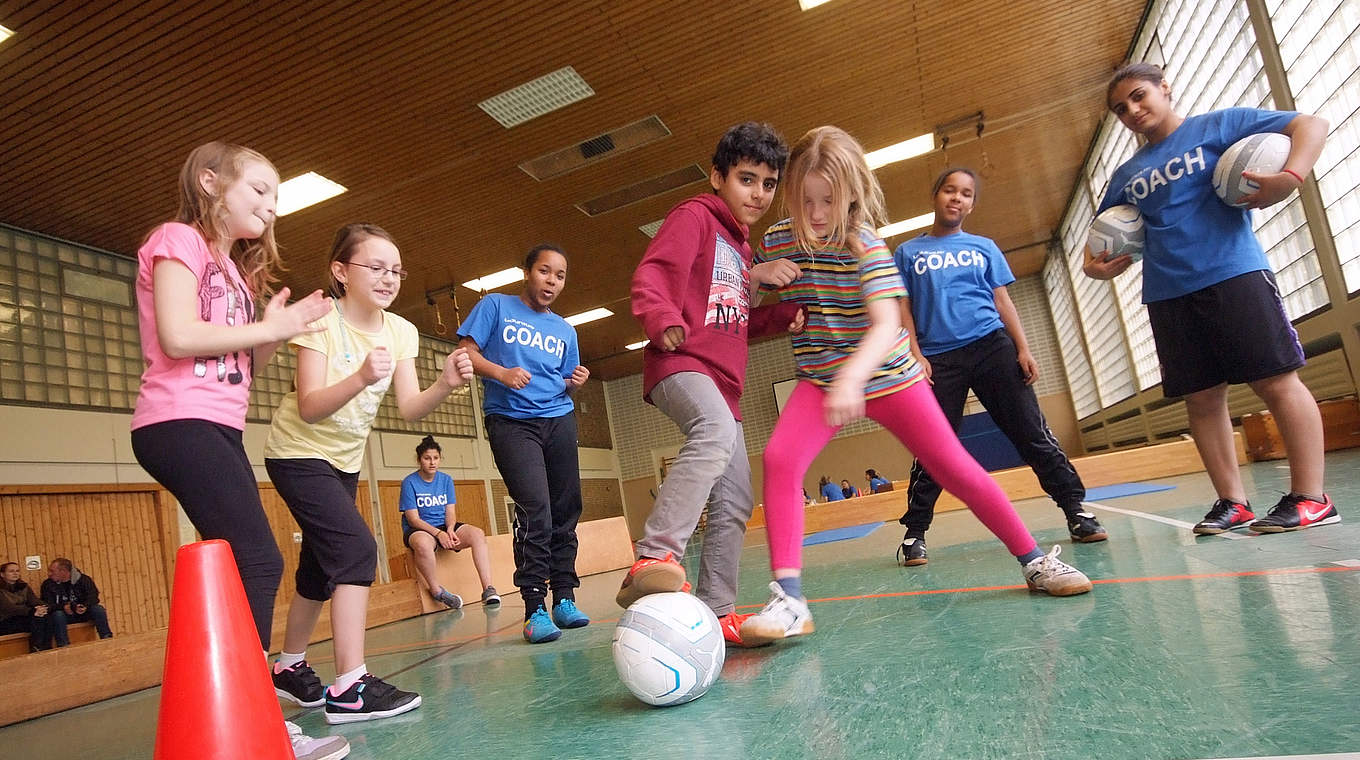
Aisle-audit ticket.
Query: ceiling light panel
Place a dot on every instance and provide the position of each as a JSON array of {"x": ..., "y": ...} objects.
[
  {"x": 534, "y": 98},
  {"x": 907, "y": 225},
  {"x": 916, "y": 146},
  {"x": 305, "y": 190},
  {"x": 636, "y": 346},
  {"x": 495, "y": 279},
  {"x": 5, "y": 33},
  {"x": 650, "y": 228},
  {"x": 589, "y": 316}
]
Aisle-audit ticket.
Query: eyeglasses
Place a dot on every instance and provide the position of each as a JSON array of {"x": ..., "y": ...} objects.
[{"x": 378, "y": 270}]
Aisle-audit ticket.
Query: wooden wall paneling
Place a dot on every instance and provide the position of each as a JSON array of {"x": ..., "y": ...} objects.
[
  {"x": 472, "y": 506},
  {"x": 109, "y": 536},
  {"x": 389, "y": 496}
]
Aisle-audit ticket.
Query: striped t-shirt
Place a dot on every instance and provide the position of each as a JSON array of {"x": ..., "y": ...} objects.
[{"x": 835, "y": 286}]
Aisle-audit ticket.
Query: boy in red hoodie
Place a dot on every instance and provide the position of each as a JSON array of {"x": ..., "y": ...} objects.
[{"x": 692, "y": 294}]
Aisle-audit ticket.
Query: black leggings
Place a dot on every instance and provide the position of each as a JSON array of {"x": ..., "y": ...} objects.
[{"x": 204, "y": 465}]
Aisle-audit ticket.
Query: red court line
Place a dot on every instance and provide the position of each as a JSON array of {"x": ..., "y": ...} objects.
[{"x": 418, "y": 645}]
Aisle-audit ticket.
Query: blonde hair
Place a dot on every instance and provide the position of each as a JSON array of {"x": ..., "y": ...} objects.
[
  {"x": 856, "y": 198},
  {"x": 257, "y": 259}
]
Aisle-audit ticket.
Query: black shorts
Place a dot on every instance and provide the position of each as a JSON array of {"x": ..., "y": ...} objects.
[
  {"x": 337, "y": 545},
  {"x": 407, "y": 531},
  {"x": 1234, "y": 331}
]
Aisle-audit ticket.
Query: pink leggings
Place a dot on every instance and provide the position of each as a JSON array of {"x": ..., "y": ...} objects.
[{"x": 914, "y": 417}]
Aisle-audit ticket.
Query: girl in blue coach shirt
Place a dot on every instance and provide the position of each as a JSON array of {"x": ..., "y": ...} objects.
[
  {"x": 968, "y": 336},
  {"x": 1215, "y": 310},
  {"x": 531, "y": 363}
]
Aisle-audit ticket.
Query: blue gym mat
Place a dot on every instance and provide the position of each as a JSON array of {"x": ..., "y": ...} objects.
[
  {"x": 1123, "y": 489},
  {"x": 841, "y": 534}
]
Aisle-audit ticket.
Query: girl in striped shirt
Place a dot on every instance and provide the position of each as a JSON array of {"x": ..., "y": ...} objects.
[{"x": 854, "y": 360}]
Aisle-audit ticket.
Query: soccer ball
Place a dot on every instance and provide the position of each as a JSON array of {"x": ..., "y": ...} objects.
[
  {"x": 1263, "y": 153},
  {"x": 1119, "y": 230},
  {"x": 668, "y": 648}
]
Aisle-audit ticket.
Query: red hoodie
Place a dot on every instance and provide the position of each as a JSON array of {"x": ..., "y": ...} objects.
[{"x": 696, "y": 274}]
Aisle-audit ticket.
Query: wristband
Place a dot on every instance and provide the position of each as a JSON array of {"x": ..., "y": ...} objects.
[{"x": 1293, "y": 174}]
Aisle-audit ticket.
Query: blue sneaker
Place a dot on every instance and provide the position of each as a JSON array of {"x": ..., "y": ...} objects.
[
  {"x": 540, "y": 628},
  {"x": 566, "y": 615}
]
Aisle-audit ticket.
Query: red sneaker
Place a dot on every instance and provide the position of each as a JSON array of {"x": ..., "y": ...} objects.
[
  {"x": 731, "y": 629},
  {"x": 651, "y": 576}
]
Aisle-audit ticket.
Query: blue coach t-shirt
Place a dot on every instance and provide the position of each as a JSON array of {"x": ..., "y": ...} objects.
[
  {"x": 1193, "y": 239},
  {"x": 428, "y": 499},
  {"x": 950, "y": 281},
  {"x": 511, "y": 334}
]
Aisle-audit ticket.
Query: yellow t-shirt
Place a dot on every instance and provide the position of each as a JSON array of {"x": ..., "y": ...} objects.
[{"x": 340, "y": 438}]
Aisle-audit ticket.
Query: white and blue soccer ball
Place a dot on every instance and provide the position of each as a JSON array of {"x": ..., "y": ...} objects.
[
  {"x": 668, "y": 648},
  {"x": 1264, "y": 153},
  {"x": 1119, "y": 230}
]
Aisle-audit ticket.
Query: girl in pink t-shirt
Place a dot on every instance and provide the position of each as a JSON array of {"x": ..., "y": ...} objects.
[{"x": 198, "y": 278}]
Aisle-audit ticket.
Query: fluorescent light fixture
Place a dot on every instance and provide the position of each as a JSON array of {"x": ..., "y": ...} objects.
[
  {"x": 589, "y": 316},
  {"x": 305, "y": 190},
  {"x": 916, "y": 146},
  {"x": 495, "y": 279},
  {"x": 907, "y": 225},
  {"x": 636, "y": 346},
  {"x": 810, "y": 4},
  {"x": 5, "y": 33}
]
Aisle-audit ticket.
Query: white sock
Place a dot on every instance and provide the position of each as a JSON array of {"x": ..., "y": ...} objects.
[
  {"x": 287, "y": 660},
  {"x": 345, "y": 680}
]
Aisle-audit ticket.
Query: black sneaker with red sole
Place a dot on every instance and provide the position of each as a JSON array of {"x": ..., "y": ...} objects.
[
  {"x": 1296, "y": 512},
  {"x": 1224, "y": 516}
]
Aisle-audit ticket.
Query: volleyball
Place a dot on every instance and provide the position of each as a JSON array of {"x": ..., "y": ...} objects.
[
  {"x": 1119, "y": 230},
  {"x": 668, "y": 648},
  {"x": 1263, "y": 153}
]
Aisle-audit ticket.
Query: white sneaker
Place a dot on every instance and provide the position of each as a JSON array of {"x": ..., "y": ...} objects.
[
  {"x": 1053, "y": 576},
  {"x": 324, "y": 748},
  {"x": 782, "y": 617}
]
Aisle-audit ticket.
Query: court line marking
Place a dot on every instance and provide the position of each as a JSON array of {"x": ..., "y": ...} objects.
[
  {"x": 1332, "y": 756},
  {"x": 448, "y": 645},
  {"x": 1157, "y": 518},
  {"x": 1097, "y": 582}
]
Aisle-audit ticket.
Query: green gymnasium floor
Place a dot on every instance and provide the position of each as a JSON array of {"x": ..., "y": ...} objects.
[{"x": 1188, "y": 648}]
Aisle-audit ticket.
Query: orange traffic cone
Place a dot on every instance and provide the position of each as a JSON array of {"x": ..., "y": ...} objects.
[{"x": 216, "y": 698}]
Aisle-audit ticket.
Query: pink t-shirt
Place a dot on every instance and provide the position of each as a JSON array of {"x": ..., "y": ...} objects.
[{"x": 212, "y": 388}]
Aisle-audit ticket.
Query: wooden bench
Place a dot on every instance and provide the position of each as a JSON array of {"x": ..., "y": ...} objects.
[
  {"x": 603, "y": 545},
  {"x": 16, "y": 644}
]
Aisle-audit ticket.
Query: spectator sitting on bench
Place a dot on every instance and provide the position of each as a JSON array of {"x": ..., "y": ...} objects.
[
  {"x": 427, "y": 509},
  {"x": 73, "y": 598},
  {"x": 877, "y": 483},
  {"x": 21, "y": 611},
  {"x": 849, "y": 491}
]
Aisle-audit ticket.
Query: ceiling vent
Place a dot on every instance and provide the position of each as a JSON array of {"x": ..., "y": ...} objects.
[
  {"x": 650, "y": 228},
  {"x": 597, "y": 148},
  {"x": 537, "y": 97},
  {"x": 647, "y": 188}
]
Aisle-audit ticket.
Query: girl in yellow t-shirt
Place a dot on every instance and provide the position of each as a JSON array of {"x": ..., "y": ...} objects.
[{"x": 314, "y": 453}]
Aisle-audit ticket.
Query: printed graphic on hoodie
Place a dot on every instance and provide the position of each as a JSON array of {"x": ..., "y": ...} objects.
[{"x": 728, "y": 303}]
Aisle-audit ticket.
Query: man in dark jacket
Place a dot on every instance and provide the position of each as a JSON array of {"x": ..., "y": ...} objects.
[
  {"x": 21, "y": 611},
  {"x": 73, "y": 598}
]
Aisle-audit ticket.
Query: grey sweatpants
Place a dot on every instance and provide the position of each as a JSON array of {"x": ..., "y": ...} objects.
[{"x": 712, "y": 469}]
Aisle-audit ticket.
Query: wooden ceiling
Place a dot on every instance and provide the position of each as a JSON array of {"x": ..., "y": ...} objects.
[{"x": 102, "y": 101}]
